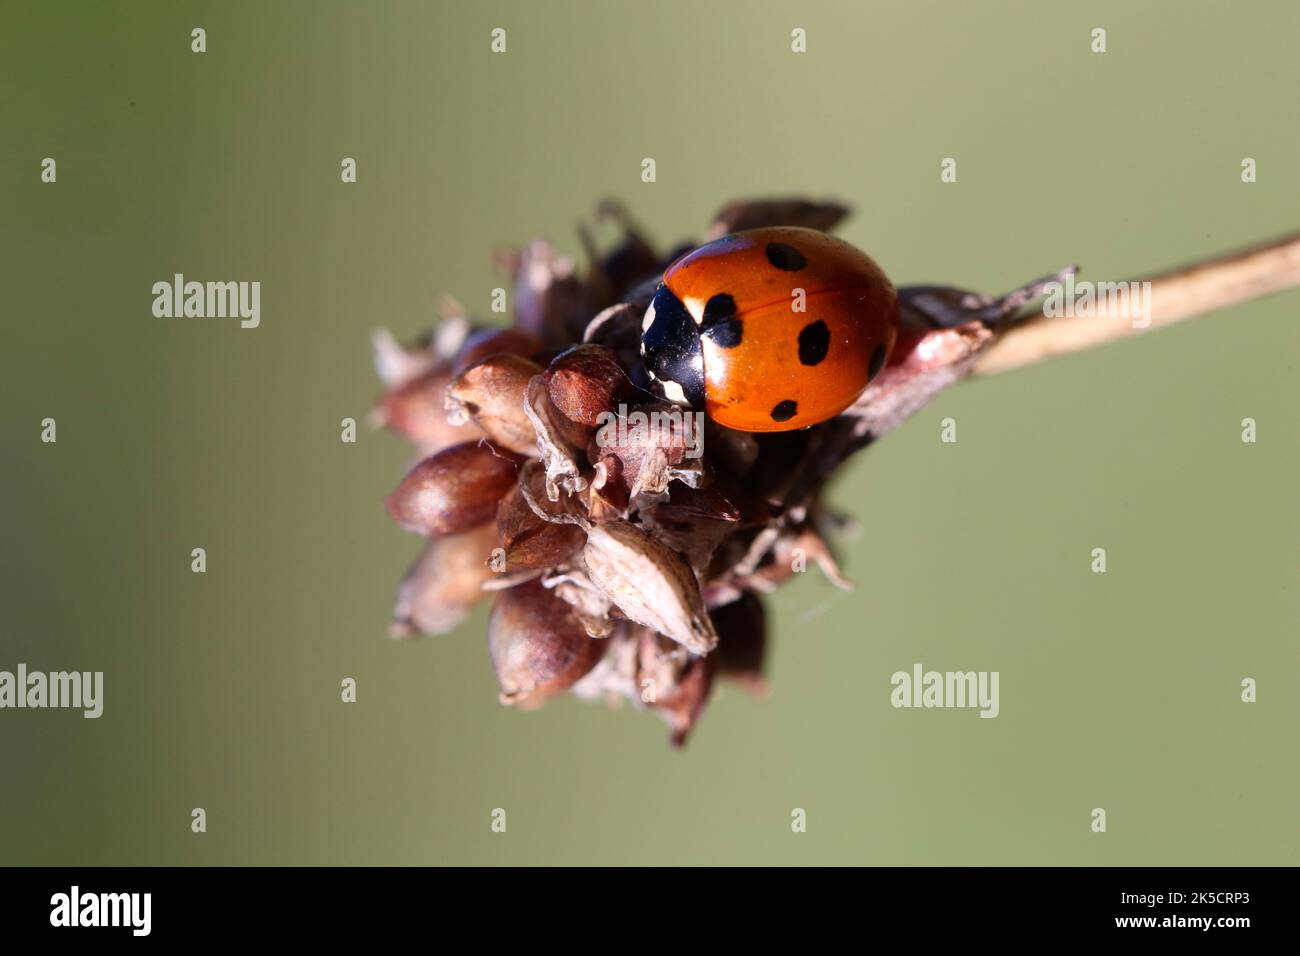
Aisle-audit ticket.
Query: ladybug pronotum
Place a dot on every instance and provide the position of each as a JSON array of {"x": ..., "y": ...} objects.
[{"x": 771, "y": 329}]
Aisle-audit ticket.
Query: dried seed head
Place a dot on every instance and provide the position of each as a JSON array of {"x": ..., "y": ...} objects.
[
  {"x": 442, "y": 585},
  {"x": 649, "y": 582},
  {"x": 664, "y": 519},
  {"x": 492, "y": 393},
  {"x": 538, "y": 647},
  {"x": 454, "y": 490},
  {"x": 415, "y": 411},
  {"x": 487, "y": 342},
  {"x": 586, "y": 382},
  {"x": 530, "y": 542}
]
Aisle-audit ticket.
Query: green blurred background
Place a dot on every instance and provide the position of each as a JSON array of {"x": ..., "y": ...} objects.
[{"x": 222, "y": 690}]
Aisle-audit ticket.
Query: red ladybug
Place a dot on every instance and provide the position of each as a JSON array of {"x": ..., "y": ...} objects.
[{"x": 771, "y": 329}]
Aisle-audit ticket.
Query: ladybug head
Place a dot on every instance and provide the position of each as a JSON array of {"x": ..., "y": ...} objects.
[{"x": 670, "y": 346}]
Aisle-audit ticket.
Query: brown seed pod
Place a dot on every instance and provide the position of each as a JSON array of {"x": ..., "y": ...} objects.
[
  {"x": 683, "y": 709},
  {"x": 586, "y": 382},
  {"x": 415, "y": 411},
  {"x": 592, "y": 608},
  {"x": 559, "y": 450},
  {"x": 715, "y": 502},
  {"x": 607, "y": 495},
  {"x": 397, "y": 364},
  {"x": 492, "y": 393},
  {"x": 454, "y": 490},
  {"x": 649, "y": 582},
  {"x": 445, "y": 581},
  {"x": 724, "y": 498},
  {"x": 563, "y": 509},
  {"x": 487, "y": 342},
  {"x": 654, "y": 443},
  {"x": 531, "y": 543},
  {"x": 694, "y": 537},
  {"x": 549, "y": 298},
  {"x": 538, "y": 647},
  {"x": 742, "y": 641},
  {"x": 757, "y": 213},
  {"x": 673, "y": 684},
  {"x": 618, "y": 328}
]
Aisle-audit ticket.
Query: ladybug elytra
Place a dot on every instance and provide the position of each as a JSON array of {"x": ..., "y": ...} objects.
[{"x": 770, "y": 329}]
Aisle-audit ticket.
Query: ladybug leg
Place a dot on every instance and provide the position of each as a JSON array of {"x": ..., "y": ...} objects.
[{"x": 943, "y": 307}]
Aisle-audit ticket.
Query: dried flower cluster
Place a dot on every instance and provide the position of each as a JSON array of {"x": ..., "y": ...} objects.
[{"x": 624, "y": 562}]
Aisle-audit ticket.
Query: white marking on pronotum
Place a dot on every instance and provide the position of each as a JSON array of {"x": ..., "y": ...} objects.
[
  {"x": 672, "y": 391},
  {"x": 648, "y": 320}
]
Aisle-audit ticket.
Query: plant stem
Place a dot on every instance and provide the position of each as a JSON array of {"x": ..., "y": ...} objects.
[{"x": 1179, "y": 294}]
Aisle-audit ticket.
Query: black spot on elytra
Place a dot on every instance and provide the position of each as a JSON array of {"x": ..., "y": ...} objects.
[
  {"x": 877, "y": 362},
  {"x": 671, "y": 346},
  {"x": 784, "y": 411},
  {"x": 814, "y": 342},
  {"x": 725, "y": 335},
  {"x": 786, "y": 258},
  {"x": 719, "y": 308},
  {"x": 720, "y": 324}
]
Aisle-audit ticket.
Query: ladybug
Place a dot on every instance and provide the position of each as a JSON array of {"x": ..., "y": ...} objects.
[{"x": 770, "y": 330}]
